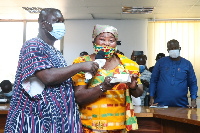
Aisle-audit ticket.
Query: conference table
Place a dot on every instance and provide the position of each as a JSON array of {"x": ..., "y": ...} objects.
[{"x": 150, "y": 120}]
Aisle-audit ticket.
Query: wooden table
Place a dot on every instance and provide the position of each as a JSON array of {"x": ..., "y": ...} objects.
[
  {"x": 169, "y": 120},
  {"x": 3, "y": 115},
  {"x": 150, "y": 120}
]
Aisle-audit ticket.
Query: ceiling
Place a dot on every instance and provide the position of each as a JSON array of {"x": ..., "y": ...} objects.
[{"x": 103, "y": 9}]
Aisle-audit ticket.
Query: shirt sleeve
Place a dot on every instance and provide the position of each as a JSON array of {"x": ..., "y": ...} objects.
[
  {"x": 33, "y": 59},
  {"x": 79, "y": 78},
  {"x": 192, "y": 82},
  {"x": 154, "y": 79}
]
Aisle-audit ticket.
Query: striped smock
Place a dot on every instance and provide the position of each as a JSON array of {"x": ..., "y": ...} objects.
[{"x": 52, "y": 111}]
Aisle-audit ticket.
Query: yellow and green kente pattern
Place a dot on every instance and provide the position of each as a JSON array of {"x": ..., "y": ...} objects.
[{"x": 113, "y": 109}]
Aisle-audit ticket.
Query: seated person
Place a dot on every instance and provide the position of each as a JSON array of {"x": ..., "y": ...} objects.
[
  {"x": 159, "y": 56},
  {"x": 83, "y": 53},
  {"x": 135, "y": 54},
  {"x": 6, "y": 87},
  {"x": 145, "y": 79}
]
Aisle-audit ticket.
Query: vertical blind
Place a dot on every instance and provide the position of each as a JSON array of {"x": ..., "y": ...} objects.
[{"x": 186, "y": 32}]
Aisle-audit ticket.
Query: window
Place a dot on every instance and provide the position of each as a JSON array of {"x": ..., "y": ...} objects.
[
  {"x": 11, "y": 41},
  {"x": 12, "y": 37}
]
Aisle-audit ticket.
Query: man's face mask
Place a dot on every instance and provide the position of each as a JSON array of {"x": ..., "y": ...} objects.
[
  {"x": 109, "y": 51},
  {"x": 174, "y": 53},
  {"x": 58, "y": 30},
  {"x": 141, "y": 68}
]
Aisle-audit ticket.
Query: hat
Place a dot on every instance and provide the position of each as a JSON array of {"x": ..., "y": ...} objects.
[
  {"x": 98, "y": 29},
  {"x": 136, "y": 53}
]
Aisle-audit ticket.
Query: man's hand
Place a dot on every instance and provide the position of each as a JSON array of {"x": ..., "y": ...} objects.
[
  {"x": 151, "y": 102},
  {"x": 193, "y": 104}
]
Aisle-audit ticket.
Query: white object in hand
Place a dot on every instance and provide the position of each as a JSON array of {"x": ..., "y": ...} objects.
[
  {"x": 122, "y": 78},
  {"x": 101, "y": 63},
  {"x": 33, "y": 86}
]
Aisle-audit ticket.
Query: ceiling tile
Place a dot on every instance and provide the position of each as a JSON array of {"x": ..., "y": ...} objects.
[
  {"x": 107, "y": 16},
  {"x": 103, "y": 2},
  {"x": 78, "y": 16},
  {"x": 105, "y": 9},
  {"x": 100, "y": 9},
  {"x": 139, "y": 3},
  {"x": 137, "y": 16}
]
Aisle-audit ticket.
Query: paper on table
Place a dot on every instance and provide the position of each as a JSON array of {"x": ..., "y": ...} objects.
[
  {"x": 3, "y": 100},
  {"x": 158, "y": 106},
  {"x": 3, "y": 107},
  {"x": 122, "y": 78}
]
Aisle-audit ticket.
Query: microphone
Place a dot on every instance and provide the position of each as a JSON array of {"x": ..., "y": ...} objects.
[{"x": 99, "y": 58}]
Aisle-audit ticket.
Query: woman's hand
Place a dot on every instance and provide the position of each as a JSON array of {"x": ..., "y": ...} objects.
[
  {"x": 134, "y": 83},
  {"x": 136, "y": 89},
  {"x": 107, "y": 85},
  {"x": 90, "y": 66}
]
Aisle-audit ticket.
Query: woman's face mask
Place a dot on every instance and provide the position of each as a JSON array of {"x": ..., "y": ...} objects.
[
  {"x": 141, "y": 68},
  {"x": 58, "y": 30},
  {"x": 109, "y": 51},
  {"x": 174, "y": 53}
]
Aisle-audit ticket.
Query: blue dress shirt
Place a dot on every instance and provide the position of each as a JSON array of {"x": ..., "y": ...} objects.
[{"x": 170, "y": 81}]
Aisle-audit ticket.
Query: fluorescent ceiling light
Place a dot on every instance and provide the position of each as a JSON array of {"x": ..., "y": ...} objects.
[
  {"x": 137, "y": 10},
  {"x": 32, "y": 9}
]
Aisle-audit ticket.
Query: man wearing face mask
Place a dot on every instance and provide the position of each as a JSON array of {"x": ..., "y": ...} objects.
[
  {"x": 43, "y": 97},
  {"x": 171, "y": 77},
  {"x": 145, "y": 79}
]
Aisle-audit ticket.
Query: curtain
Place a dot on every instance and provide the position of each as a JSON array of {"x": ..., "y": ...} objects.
[{"x": 186, "y": 32}]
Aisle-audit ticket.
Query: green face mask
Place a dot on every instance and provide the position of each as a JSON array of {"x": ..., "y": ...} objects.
[{"x": 109, "y": 51}]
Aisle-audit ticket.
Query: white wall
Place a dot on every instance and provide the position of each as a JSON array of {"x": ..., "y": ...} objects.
[{"x": 78, "y": 37}]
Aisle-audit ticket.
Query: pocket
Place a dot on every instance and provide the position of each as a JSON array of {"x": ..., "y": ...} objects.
[{"x": 181, "y": 75}]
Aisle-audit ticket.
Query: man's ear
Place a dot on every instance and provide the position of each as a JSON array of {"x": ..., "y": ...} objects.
[{"x": 42, "y": 24}]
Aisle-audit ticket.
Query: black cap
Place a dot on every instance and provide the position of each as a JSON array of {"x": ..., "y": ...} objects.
[{"x": 136, "y": 53}]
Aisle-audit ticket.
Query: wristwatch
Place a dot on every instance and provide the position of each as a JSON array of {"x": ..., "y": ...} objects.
[{"x": 101, "y": 87}]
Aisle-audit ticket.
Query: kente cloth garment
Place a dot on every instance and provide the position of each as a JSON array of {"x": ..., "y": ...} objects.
[
  {"x": 88, "y": 130},
  {"x": 52, "y": 111},
  {"x": 170, "y": 81},
  {"x": 98, "y": 29},
  {"x": 112, "y": 110}
]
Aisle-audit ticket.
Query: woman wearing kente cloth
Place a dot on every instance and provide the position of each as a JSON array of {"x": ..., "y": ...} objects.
[{"x": 106, "y": 107}]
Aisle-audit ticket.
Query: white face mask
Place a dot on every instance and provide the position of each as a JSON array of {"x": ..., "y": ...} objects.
[
  {"x": 58, "y": 30},
  {"x": 174, "y": 53}
]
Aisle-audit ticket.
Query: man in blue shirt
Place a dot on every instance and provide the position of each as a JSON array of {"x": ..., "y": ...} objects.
[{"x": 170, "y": 79}]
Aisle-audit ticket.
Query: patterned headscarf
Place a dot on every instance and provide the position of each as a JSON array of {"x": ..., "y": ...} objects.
[{"x": 98, "y": 29}]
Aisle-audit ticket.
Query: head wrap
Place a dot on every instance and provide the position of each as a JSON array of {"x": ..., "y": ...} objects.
[{"x": 98, "y": 29}]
